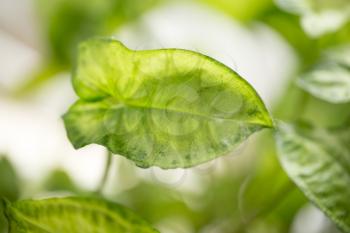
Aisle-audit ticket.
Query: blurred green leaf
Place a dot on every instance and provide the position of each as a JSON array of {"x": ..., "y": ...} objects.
[
  {"x": 288, "y": 26},
  {"x": 38, "y": 78},
  {"x": 64, "y": 23},
  {"x": 9, "y": 182},
  {"x": 74, "y": 215},
  {"x": 3, "y": 221},
  {"x": 157, "y": 202},
  {"x": 245, "y": 11},
  {"x": 59, "y": 180},
  {"x": 168, "y": 108},
  {"x": 330, "y": 78},
  {"x": 319, "y": 17},
  {"x": 67, "y": 22},
  {"x": 325, "y": 114},
  {"x": 279, "y": 199},
  {"x": 216, "y": 202},
  {"x": 330, "y": 83},
  {"x": 318, "y": 161},
  {"x": 9, "y": 187}
]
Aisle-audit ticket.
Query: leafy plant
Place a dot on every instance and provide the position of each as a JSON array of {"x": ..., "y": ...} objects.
[
  {"x": 174, "y": 108},
  {"x": 136, "y": 102},
  {"x": 318, "y": 161},
  {"x": 72, "y": 215}
]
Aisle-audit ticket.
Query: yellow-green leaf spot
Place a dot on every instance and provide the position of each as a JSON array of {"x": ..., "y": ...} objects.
[
  {"x": 168, "y": 108},
  {"x": 73, "y": 215}
]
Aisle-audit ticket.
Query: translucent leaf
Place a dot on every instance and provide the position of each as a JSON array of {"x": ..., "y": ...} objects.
[
  {"x": 318, "y": 161},
  {"x": 330, "y": 79},
  {"x": 73, "y": 215},
  {"x": 169, "y": 108}
]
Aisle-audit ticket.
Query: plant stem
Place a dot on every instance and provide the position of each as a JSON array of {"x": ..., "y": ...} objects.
[{"x": 103, "y": 182}]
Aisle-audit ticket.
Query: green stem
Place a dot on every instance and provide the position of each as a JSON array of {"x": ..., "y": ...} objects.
[{"x": 103, "y": 182}]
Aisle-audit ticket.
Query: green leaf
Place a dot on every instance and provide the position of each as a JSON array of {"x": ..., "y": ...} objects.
[
  {"x": 330, "y": 79},
  {"x": 73, "y": 215},
  {"x": 60, "y": 180},
  {"x": 318, "y": 161},
  {"x": 330, "y": 83},
  {"x": 168, "y": 108},
  {"x": 3, "y": 222},
  {"x": 66, "y": 22},
  {"x": 245, "y": 11},
  {"x": 9, "y": 182},
  {"x": 319, "y": 17}
]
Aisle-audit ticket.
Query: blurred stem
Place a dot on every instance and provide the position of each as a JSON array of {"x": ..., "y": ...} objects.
[
  {"x": 37, "y": 79},
  {"x": 103, "y": 182}
]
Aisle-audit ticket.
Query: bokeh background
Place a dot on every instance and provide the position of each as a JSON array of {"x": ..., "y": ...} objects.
[{"x": 267, "y": 42}]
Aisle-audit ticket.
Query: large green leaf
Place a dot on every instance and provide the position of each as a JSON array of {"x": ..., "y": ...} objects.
[
  {"x": 330, "y": 79},
  {"x": 73, "y": 215},
  {"x": 169, "y": 108},
  {"x": 318, "y": 161}
]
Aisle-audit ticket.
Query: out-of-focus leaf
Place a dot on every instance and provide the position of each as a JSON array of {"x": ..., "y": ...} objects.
[
  {"x": 3, "y": 222},
  {"x": 9, "y": 182},
  {"x": 73, "y": 215},
  {"x": 67, "y": 22},
  {"x": 59, "y": 180},
  {"x": 330, "y": 79},
  {"x": 279, "y": 199},
  {"x": 325, "y": 114},
  {"x": 157, "y": 202},
  {"x": 9, "y": 187},
  {"x": 38, "y": 78},
  {"x": 318, "y": 161},
  {"x": 288, "y": 26},
  {"x": 319, "y": 17},
  {"x": 247, "y": 10},
  {"x": 168, "y": 108},
  {"x": 330, "y": 83}
]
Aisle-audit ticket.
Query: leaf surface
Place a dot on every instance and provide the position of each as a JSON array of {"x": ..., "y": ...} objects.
[
  {"x": 318, "y": 161},
  {"x": 330, "y": 79},
  {"x": 319, "y": 17},
  {"x": 168, "y": 108},
  {"x": 9, "y": 180},
  {"x": 73, "y": 215}
]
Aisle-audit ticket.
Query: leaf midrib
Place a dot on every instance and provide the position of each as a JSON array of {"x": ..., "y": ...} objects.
[{"x": 126, "y": 104}]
